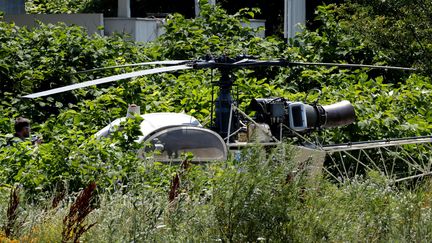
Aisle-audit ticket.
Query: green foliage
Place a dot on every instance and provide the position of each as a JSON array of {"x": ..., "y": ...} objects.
[
  {"x": 400, "y": 30},
  {"x": 259, "y": 197},
  {"x": 72, "y": 160},
  {"x": 56, "y": 6},
  {"x": 331, "y": 43},
  {"x": 214, "y": 33},
  {"x": 249, "y": 200},
  {"x": 254, "y": 198},
  {"x": 44, "y": 57},
  {"x": 389, "y": 110}
]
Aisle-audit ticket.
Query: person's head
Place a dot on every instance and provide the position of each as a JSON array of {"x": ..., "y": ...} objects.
[{"x": 22, "y": 127}]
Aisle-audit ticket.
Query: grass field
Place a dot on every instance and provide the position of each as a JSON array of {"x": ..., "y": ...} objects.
[{"x": 259, "y": 198}]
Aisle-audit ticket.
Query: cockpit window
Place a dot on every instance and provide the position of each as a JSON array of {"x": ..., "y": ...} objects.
[{"x": 169, "y": 144}]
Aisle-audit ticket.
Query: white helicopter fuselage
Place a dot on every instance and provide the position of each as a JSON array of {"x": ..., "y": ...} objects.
[{"x": 166, "y": 136}]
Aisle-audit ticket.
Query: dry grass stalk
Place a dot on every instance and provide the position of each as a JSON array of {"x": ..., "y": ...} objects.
[
  {"x": 59, "y": 196},
  {"x": 174, "y": 188},
  {"x": 176, "y": 180},
  {"x": 12, "y": 212},
  {"x": 73, "y": 223}
]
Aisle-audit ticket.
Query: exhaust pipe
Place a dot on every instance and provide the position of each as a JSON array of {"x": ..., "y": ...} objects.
[
  {"x": 303, "y": 116},
  {"x": 339, "y": 114}
]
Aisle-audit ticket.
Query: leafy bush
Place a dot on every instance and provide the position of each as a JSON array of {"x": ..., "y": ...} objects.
[
  {"x": 248, "y": 200},
  {"x": 42, "y": 58},
  {"x": 70, "y": 161},
  {"x": 398, "y": 30},
  {"x": 214, "y": 33},
  {"x": 56, "y": 6},
  {"x": 258, "y": 197},
  {"x": 45, "y": 57}
]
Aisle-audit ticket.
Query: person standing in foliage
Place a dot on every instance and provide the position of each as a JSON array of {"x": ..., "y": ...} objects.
[{"x": 22, "y": 132}]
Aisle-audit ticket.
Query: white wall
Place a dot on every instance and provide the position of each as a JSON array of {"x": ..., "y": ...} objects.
[
  {"x": 91, "y": 22},
  {"x": 140, "y": 29},
  {"x": 148, "y": 29}
]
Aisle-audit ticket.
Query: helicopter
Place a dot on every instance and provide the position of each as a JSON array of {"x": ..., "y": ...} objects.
[{"x": 169, "y": 135}]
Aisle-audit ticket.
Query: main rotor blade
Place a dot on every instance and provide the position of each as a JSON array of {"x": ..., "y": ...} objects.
[
  {"x": 343, "y": 65},
  {"x": 168, "y": 62},
  {"x": 249, "y": 63},
  {"x": 108, "y": 79}
]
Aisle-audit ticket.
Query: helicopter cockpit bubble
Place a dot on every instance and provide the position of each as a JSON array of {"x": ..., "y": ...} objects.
[{"x": 168, "y": 145}]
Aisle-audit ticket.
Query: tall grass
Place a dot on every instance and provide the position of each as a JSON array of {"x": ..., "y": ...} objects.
[{"x": 261, "y": 197}]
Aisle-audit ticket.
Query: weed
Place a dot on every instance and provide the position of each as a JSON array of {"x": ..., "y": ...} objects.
[
  {"x": 11, "y": 226},
  {"x": 73, "y": 223}
]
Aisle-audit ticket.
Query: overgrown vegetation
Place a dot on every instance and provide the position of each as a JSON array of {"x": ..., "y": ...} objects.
[
  {"x": 57, "y": 6},
  {"x": 256, "y": 198},
  {"x": 400, "y": 29},
  {"x": 249, "y": 200}
]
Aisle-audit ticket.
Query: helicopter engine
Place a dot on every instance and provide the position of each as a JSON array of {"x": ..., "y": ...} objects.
[{"x": 299, "y": 116}]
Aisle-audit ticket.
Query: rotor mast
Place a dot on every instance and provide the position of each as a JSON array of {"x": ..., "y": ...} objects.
[{"x": 224, "y": 119}]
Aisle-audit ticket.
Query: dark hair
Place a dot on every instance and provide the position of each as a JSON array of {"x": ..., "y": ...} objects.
[{"x": 20, "y": 123}]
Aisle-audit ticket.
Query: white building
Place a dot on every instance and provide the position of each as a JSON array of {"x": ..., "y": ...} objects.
[{"x": 140, "y": 29}]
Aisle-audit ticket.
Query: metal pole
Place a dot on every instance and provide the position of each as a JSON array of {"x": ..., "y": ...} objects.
[
  {"x": 123, "y": 9},
  {"x": 294, "y": 14},
  {"x": 197, "y": 8},
  {"x": 286, "y": 18},
  {"x": 377, "y": 144}
]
